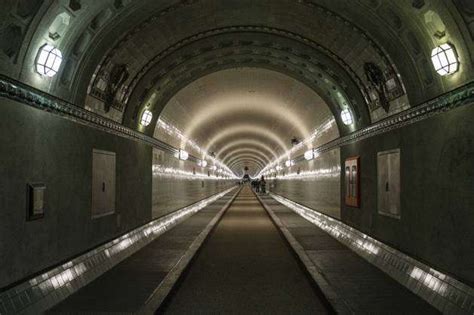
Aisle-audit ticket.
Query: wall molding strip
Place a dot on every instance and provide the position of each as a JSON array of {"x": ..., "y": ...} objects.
[
  {"x": 30, "y": 96},
  {"x": 40, "y": 293},
  {"x": 446, "y": 102},
  {"x": 442, "y": 291}
]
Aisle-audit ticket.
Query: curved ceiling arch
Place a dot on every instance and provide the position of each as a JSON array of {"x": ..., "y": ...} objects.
[
  {"x": 239, "y": 169},
  {"x": 308, "y": 11},
  {"x": 249, "y": 150},
  {"x": 247, "y": 129},
  {"x": 217, "y": 109},
  {"x": 244, "y": 160},
  {"x": 246, "y": 156},
  {"x": 400, "y": 33},
  {"x": 252, "y": 151},
  {"x": 329, "y": 79},
  {"x": 246, "y": 142},
  {"x": 251, "y": 106}
]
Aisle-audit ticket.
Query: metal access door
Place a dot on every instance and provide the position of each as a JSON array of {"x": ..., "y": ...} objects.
[
  {"x": 103, "y": 183},
  {"x": 388, "y": 183}
]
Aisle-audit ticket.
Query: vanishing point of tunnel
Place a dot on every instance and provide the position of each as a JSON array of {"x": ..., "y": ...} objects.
[{"x": 236, "y": 157}]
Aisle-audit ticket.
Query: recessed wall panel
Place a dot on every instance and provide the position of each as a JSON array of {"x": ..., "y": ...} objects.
[
  {"x": 388, "y": 183},
  {"x": 103, "y": 183}
]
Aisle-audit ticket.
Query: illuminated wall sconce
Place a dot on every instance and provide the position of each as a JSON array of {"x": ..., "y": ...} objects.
[
  {"x": 183, "y": 155},
  {"x": 146, "y": 118},
  {"x": 279, "y": 168},
  {"x": 445, "y": 59},
  {"x": 346, "y": 117},
  {"x": 213, "y": 168},
  {"x": 309, "y": 155},
  {"x": 289, "y": 163},
  {"x": 202, "y": 163},
  {"x": 49, "y": 60}
]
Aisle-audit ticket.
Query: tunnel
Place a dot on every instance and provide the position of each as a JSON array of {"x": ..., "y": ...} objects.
[{"x": 236, "y": 157}]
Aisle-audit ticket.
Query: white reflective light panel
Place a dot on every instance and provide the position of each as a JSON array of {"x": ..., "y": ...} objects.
[
  {"x": 183, "y": 155},
  {"x": 48, "y": 60},
  {"x": 146, "y": 118},
  {"x": 309, "y": 155},
  {"x": 445, "y": 60},
  {"x": 346, "y": 117}
]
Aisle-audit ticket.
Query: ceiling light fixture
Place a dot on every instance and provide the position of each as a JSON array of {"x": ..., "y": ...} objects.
[
  {"x": 309, "y": 155},
  {"x": 183, "y": 155},
  {"x": 445, "y": 60},
  {"x": 49, "y": 60},
  {"x": 346, "y": 117},
  {"x": 146, "y": 118}
]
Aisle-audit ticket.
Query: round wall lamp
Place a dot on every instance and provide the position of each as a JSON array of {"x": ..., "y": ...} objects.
[
  {"x": 147, "y": 116},
  {"x": 445, "y": 59},
  {"x": 346, "y": 117},
  {"x": 49, "y": 60}
]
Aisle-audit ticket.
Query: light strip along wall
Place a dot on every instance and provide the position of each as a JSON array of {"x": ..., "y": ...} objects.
[
  {"x": 438, "y": 289},
  {"x": 40, "y": 293},
  {"x": 456, "y": 98},
  {"x": 175, "y": 132}
]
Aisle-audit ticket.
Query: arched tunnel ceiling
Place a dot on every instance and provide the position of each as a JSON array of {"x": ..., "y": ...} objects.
[
  {"x": 244, "y": 115},
  {"x": 122, "y": 56}
]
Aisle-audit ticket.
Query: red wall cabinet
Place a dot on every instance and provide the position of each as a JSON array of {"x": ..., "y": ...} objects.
[{"x": 352, "y": 181}]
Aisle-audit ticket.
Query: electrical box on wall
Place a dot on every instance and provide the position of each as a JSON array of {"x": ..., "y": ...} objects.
[
  {"x": 352, "y": 181},
  {"x": 388, "y": 183},
  {"x": 103, "y": 183},
  {"x": 35, "y": 201}
]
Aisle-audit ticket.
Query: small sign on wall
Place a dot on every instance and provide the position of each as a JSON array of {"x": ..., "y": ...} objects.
[
  {"x": 35, "y": 195},
  {"x": 352, "y": 181}
]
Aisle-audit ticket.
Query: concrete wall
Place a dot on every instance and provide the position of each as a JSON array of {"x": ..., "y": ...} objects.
[
  {"x": 437, "y": 183},
  {"x": 36, "y": 146}
]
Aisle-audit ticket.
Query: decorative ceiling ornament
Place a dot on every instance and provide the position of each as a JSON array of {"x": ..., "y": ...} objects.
[{"x": 378, "y": 89}]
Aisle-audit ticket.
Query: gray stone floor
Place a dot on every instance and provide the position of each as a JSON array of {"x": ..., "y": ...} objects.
[
  {"x": 364, "y": 288},
  {"x": 245, "y": 267},
  {"x": 127, "y": 286}
]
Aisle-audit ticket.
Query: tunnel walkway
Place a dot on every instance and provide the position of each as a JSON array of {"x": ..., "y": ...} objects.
[
  {"x": 245, "y": 267},
  {"x": 241, "y": 263},
  {"x": 141, "y": 281}
]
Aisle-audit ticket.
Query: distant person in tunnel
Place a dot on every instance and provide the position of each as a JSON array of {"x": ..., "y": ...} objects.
[
  {"x": 263, "y": 185},
  {"x": 256, "y": 185}
]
